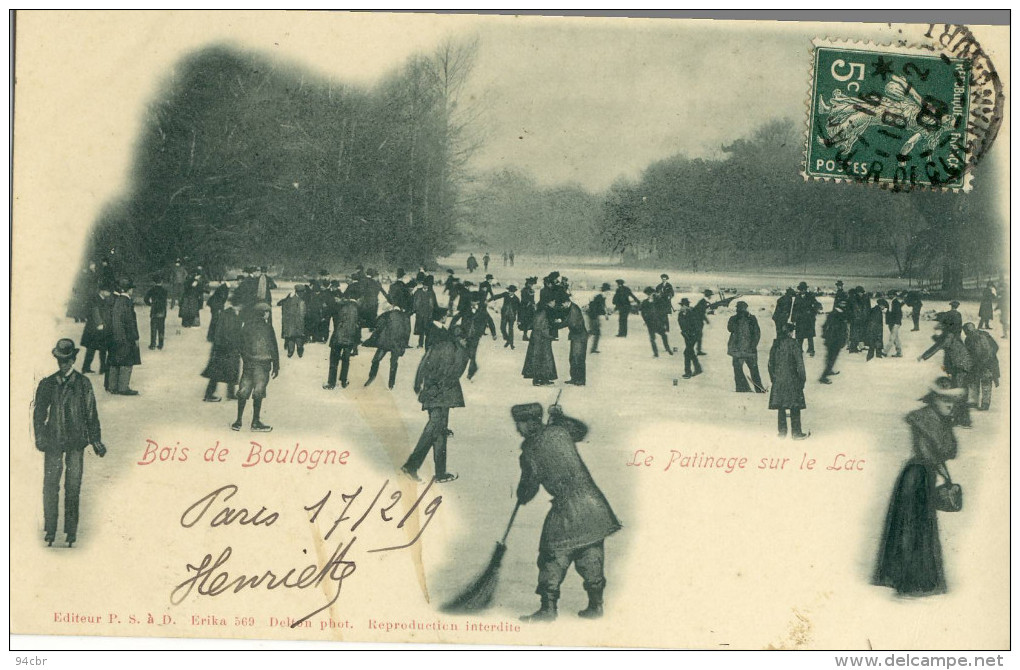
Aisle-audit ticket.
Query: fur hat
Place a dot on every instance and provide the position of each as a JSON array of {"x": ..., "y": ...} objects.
[
  {"x": 606, "y": 286},
  {"x": 531, "y": 411}
]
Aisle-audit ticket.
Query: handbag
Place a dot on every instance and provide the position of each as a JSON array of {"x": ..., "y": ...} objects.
[{"x": 948, "y": 496}]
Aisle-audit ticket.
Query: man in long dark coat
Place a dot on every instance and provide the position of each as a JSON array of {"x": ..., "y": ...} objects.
[
  {"x": 690, "y": 325},
  {"x": 476, "y": 322},
  {"x": 652, "y": 314},
  {"x": 596, "y": 312},
  {"x": 156, "y": 298},
  {"x": 124, "y": 353},
  {"x": 224, "y": 364},
  {"x": 391, "y": 336},
  {"x": 95, "y": 336},
  {"x": 369, "y": 290},
  {"x": 805, "y": 309},
  {"x": 622, "y": 301},
  {"x": 874, "y": 333},
  {"x": 577, "y": 333},
  {"x": 986, "y": 310},
  {"x": 580, "y": 517},
  {"x": 217, "y": 302},
  {"x": 425, "y": 305},
  {"x": 66, "y": 422},
  {"x": 399, "y": 293},
  {"x": 743, "y": 348},
  {"x": 539, "y": 362},
  {"x": 664, "y": 294},
  {"x": 786, "y": 371},
  {"x": 437, "y": 384},
  {"x": 783, "y": 312},
  {"x": 508, "y": 312},
  {"x": 292, "y": 326},
  {"x": 834, "y": 334},
  {"x": 345, "y": 339}
]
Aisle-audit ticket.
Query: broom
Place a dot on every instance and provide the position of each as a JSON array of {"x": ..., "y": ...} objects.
[{"x": 478, "y": 595}]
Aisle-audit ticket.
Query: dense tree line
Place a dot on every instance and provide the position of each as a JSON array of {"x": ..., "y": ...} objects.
[
  {"x": 245, "y": 160},
  {"x": 506, "y": 209},
  {"x": 752, "y": 207}
]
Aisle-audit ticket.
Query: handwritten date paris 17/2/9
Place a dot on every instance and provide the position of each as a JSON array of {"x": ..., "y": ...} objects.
[{"x": 343, "y": 512}]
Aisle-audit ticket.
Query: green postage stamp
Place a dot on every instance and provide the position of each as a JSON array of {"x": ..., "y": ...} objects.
[{"x": 896, "y": 116}]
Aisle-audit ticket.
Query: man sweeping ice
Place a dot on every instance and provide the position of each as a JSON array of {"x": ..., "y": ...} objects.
[{"x": 580, "y": 518}]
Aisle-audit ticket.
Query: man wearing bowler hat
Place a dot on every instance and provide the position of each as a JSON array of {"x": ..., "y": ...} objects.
[
  {"x": 260, "y": 361},
  {"x": 124, "y": 353},
  {"x": 66, "y": 422},
  {"x": 597, "y": 311}
]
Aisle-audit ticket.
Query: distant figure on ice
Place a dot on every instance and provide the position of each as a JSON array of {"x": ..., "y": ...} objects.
[
  {"x": 437, "y": 384},
  {"x": 472, "y": 263},
  {"x": 192, "y": 299},
  {"x": 577, "y": 333},
  {"x": 391, "y": 336},
  {"x": 910, "y": 553},
  {"x": 124, "y": 353},
  {"x": 580, "y": 517},
  {"x": 700, "y": 311},
  {"x": 485, "y": 261},
  {"x": 622, "y": 301},
  {"x": 224, "y": 364},
  {"x": 786, "y": 370},
  {"x": 834, "y": 334},
  {"x": 875, "y": 329},
  {"x": 805, "y": 309},
  {"x": 783, "y": 312},
  {"x": 511, "y": 258},
  {"x": 743, "y": 348},
  {"x": 984, "y": 371},
  {"x": 66, "y": 422},
  {"x": 893, "y": 321},
  {"x": 260, "y": 360},
  {"x": 426, "y": 308},
  {"x": 664, "y": 294},
  {"x": 914, "y": 302},
  {"x": 178, "y": 276},
  {"x": 689, "y": 323},
  {"x": 369, "y": 290},
  {"x": 860, "y": 308},
  {"x": 156, "y": 298},
  {"x": 526, "y": 317},
  {"x": 508, "y": 312},
  {"x": 345, "y": 338},
  {"x": 596, "y": 312},
  {"x": 505, "y": 258},
  {"x": 539, "y": 362},
  {"x": 476, "y": 322},
  {"x": 292, "y": 321},
  {"x": 217, "y": 303},
  {"x": 653, "y": 314},
  {"x": 96, "y": 335},
  {"x": 987, "y": 308},
  {"x": 955, "y": 361},
  {"x": 1003, "y": 308}
]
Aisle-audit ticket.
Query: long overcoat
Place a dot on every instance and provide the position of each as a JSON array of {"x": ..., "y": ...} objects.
[
  {"x": 580, "y": 515},
  {"x": 786, "y": 370},
  {"x": 539, "y": 362}
]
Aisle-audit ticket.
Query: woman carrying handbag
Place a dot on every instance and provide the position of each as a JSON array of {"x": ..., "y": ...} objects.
[{"x": 910, "y": 555}]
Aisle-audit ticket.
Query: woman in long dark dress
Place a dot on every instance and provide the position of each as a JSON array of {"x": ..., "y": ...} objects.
[
  {"x": 539, "y": 362},
  {"x": 910, "y": 555}
]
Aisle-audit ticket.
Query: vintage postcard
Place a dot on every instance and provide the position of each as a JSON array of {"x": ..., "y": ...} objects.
[{"x": 510, "y": 330}]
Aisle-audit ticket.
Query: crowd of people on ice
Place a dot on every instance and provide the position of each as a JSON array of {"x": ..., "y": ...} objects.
[{"x": 245, "y": 356}]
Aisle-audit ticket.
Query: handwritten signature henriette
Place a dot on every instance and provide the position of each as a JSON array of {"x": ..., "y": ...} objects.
[{"x": 210, "y": 578}]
